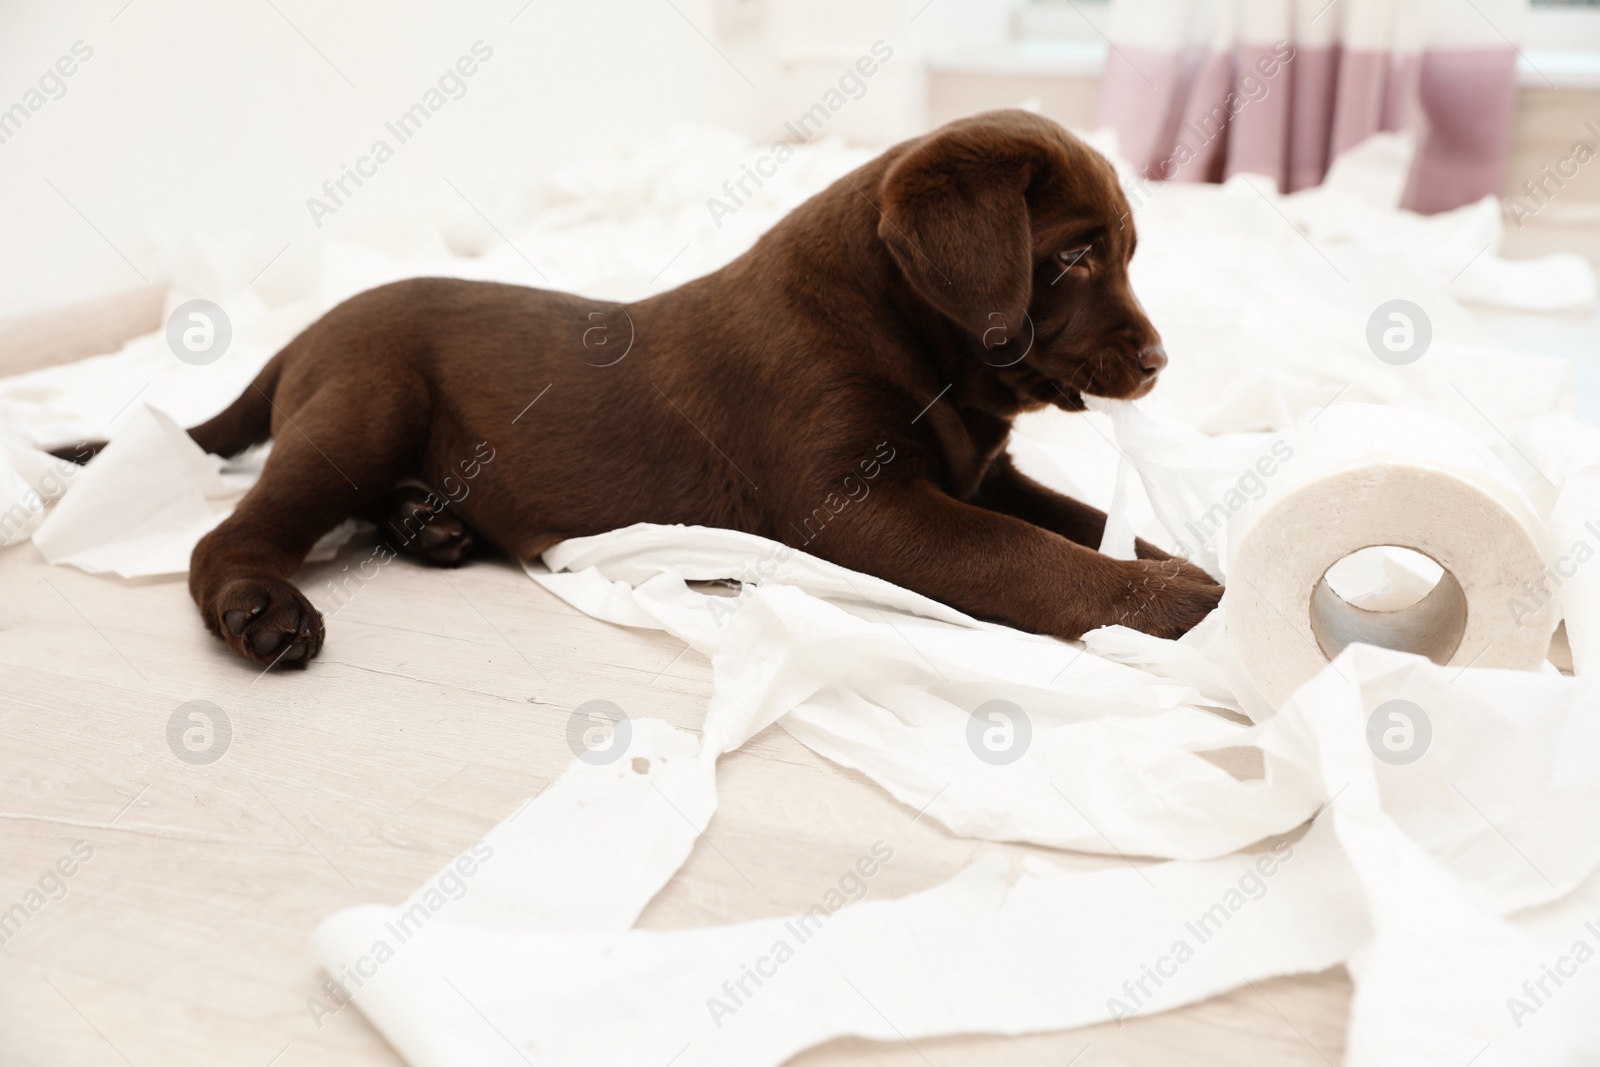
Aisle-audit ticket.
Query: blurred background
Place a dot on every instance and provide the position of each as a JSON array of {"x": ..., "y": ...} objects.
[{"x": 185, "y": 125}]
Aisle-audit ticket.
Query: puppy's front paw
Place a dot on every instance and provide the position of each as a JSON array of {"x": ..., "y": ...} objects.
[
  {"x": 1189, "y": 572},
  {"x": 267, "y": 621},
  {"x": 1166, "y": 598},
  {"x": 1146, "y": 551}
]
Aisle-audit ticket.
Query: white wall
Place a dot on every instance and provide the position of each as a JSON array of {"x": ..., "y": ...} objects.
[
  {"x": 199, "y": 121},
  {"x": 220, "y": 120}
]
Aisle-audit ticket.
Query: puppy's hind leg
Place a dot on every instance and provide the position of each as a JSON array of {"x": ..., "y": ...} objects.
[
  {"x": 334, "y": 453},
  {"x": 421, "y": 523}
]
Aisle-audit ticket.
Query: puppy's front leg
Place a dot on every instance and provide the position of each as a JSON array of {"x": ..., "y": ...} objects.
[
  {"x": 1001, "y": 567},
  {"x": 1006, "y": 489}
]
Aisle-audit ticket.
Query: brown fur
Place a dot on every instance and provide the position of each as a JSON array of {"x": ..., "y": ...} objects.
[{"x": 894, "y": 323}]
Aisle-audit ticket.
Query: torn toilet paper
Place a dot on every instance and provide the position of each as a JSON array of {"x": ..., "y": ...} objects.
[{"x": 1395, "y": 876}]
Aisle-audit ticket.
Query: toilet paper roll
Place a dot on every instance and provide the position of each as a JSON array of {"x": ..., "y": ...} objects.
[
  {"x": 1575, "y": 541},
  {"x": 1357, "y": 476}
]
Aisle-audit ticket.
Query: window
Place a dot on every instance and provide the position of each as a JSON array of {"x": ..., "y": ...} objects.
[{"x": 1560, "y": 47}]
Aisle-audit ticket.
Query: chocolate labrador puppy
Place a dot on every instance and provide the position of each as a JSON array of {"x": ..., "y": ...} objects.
[{"x": 888, "y": 330}]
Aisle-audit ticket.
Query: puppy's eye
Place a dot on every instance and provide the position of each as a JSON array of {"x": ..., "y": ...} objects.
[{"x": 1074, "y": 257}]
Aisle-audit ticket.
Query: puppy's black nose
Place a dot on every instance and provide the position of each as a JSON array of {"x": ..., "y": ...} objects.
[{"x": 1152, "y": 359}]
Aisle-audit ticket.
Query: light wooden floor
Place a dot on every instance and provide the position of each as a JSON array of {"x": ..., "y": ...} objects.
[{"x": 439, "y": 702}]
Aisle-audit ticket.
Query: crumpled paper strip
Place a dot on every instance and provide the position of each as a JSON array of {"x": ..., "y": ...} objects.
[
  {"x": 144, "y": 503},
  {"x": 1434, "y": 961},
  {"x": 1440, "y": 980},
  {"x": 147, "y": 499},
  {"x": 1047, "y": 950},
  {"x": 890, "y": 691}
]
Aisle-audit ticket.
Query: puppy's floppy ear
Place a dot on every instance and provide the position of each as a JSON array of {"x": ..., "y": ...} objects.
[{"x": 955, "y": 218}]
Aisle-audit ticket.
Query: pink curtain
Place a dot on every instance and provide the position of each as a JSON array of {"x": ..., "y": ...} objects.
[{"x": 1199, "y": 90}]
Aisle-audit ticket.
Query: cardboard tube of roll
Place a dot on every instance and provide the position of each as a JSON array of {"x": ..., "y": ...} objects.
[{"x": 1361, "y": 476}]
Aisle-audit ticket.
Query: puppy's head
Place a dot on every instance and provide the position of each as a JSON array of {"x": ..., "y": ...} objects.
[{"x": 1019, "y": 233}]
